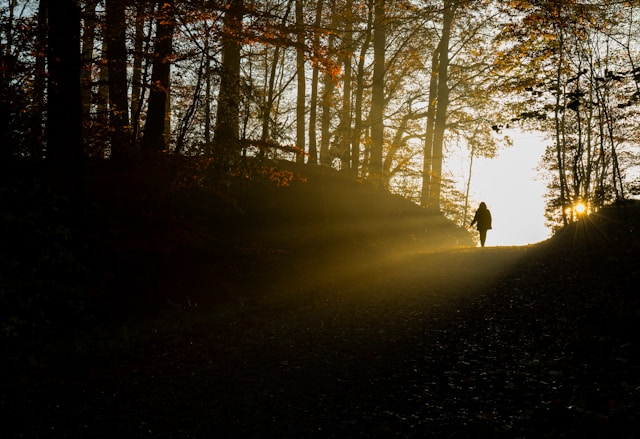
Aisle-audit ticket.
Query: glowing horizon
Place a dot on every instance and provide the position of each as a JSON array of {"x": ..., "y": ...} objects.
[{"x": 514, "y": 192}]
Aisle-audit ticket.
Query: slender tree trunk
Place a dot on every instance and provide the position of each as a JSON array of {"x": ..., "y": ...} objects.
[
  {"x": 397, "y": 143},
  {"x": 302, "y": 88},
  {"x": 377, "y": 93},
  {"x": 88, "y": 44},
  {"x": 588, "y": 147},
  {"x": 472, "y": 153},
  {"x": 428, "y": 136},
  {"x": 313, "y": 114},
  {"x": 313, "y": 103},
  {"x": 267, "y": 106},
  {"x": 359, "y": 92},
  {"x": 616, "y": 175},
  {"x": 325, "y": 119},
  {"x": 185, "y": 123},
  {"x": 578, "y": 171},
  {"x": 602, "y": 158},
  {"x": 118, "y": 88},
  {"x": 207, "y": 95},
  {"x": 558, "y": 134},
  {"x": 102, "y": 104},
  {"x": 618, "y": 181},
  {"x": 6, "y": 55},
  {"x": 64, "y": 115},
  {"x": 281, "y": 84},
  {"x": 40, "y": 83},
  {"x": 166, "y": 129},
  {"x": 140, "y": 49},
  {"x": 226, "y": 135},
  {"x": 327, "y": 98},
  {"x": 144, "y": 75},
  {"x": 153, "y": 140},
  {"x": 442, "y": 105},
  {"x": 345, "y": 137}
]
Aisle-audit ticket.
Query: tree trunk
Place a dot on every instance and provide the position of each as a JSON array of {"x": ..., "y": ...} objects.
[
  {"x": 441, "y": 106},
  {"x": 558, "y": 134},
  {"x": 472, "y": 152},
  {"x": 377, "y": 93},
  {"x": 313, "y": 103},
  {"x": 325, "y": 119},
  {"x": 428, "y": 136},
  {"x": 185, "y": 123},
  {"x": 102, "y": 104},
  {"x": 7, "y": 64},
  {"x": 64, "y": 113},
  {"x": 300, "y": 74},
  {"x": 118, "y": 89},
  {"x": 207, "y": 95},
  {"x": 359, "y": 92},
  {"x": 153, "y": 140},
  {"x": 327, "y": 98},
  {"x": 399, "y": 141},
  {"x": 345, "y": 123},
  {"x": 267, "y": 106},
  {"x": 226, "y": 134},
  {"x": 88, "y": 42},
  {"x": 40, "y": 83},
  {"x": 166, "y": 129},
  {"x": 141, "y": 41},
  {"x": 6, "y": 55}
]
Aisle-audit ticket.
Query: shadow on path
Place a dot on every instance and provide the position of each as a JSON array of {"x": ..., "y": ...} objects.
[{"x": 463, "y": 343}]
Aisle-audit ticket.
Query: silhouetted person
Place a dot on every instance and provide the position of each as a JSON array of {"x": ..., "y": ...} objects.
[{"x": 483, "y": 220}]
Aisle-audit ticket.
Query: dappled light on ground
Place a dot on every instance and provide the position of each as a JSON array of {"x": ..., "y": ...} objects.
[{"x": 402, "y": 272}]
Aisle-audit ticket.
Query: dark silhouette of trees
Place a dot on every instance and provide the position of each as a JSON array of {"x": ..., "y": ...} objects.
[
  {"x": 379, "y": 89},
  {"x": 578, "y": 84}
]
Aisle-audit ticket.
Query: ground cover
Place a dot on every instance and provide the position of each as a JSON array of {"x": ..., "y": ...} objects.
[{"x": 404, "y": 334}]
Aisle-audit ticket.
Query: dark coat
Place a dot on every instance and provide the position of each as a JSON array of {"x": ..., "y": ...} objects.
[{"x": 482, "y": 218}]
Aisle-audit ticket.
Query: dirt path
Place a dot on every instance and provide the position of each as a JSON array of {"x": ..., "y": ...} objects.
[{"x": 467, "y": 343}]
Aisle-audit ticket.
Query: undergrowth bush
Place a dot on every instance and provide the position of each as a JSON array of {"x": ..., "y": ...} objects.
[{"x": 41, "y": 273}]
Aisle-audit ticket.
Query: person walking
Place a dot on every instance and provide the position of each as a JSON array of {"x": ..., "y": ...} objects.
[{"x": 483, "y": 220}]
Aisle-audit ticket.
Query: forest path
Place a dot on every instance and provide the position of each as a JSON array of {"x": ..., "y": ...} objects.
[
  {"x": 395, "y": 345},
  {"x": 393, "y": 280}
]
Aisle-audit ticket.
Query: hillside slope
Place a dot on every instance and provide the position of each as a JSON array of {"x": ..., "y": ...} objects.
[{"x": 157, "y": 242}]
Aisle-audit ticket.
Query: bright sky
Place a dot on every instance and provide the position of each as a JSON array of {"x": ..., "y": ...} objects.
[{"x": 513, "y": 190}]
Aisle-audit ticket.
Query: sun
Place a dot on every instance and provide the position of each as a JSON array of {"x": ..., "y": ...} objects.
[{"x": 580, "y": 208}]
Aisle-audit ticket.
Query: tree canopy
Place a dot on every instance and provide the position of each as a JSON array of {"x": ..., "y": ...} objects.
[{"x": 379, "y": 89}]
